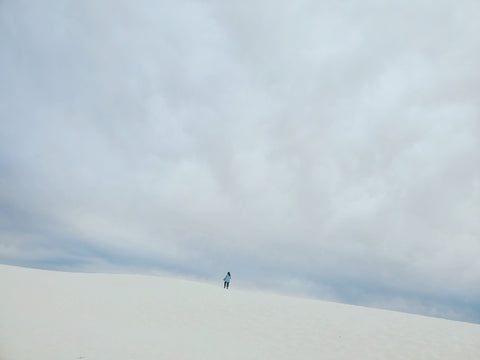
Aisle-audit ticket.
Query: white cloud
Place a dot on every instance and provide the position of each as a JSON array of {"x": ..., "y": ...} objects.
[{"x": 335, "y": 139}]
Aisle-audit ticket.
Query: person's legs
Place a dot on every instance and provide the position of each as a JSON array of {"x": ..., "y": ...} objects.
[
  {"x": 228, "y": 284},
  {"x": 224, "y": 284}
]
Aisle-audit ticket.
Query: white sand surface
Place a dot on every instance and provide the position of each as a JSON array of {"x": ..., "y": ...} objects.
[{"x": 55, "y": 315}]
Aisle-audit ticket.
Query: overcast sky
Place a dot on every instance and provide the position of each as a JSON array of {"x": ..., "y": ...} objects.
[{"x": 327, "y": 149}]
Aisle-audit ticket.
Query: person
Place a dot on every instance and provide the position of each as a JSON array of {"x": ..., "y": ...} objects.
[{"x": 226, "y": 280}]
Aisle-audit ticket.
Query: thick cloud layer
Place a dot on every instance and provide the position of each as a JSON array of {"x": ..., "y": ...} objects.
[{"x": 326, "y": 149}]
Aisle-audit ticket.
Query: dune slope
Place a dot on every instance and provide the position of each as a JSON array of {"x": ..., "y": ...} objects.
[{"x": 55, "y": 315}]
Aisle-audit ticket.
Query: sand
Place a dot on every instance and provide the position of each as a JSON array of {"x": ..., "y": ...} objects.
[{"x": 51, "y": 315}]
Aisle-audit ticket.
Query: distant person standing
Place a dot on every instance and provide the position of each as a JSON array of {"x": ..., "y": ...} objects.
[{"x": 226, "y": 280}]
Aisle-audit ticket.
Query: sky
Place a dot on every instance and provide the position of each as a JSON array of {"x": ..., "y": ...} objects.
[{"x": 329, "y": 150}]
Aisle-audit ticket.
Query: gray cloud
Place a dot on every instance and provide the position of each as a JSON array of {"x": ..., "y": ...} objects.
[{"x": 324, "y": 146}]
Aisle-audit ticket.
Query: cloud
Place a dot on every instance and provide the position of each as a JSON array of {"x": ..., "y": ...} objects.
[{"x": 315, "y": 143}]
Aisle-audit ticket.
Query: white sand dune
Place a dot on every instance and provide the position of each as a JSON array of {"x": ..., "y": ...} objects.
[{"x": 53, "y": 315}]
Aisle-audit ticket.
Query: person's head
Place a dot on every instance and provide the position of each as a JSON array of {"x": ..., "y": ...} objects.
[{"x": 228, "y": 273}]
